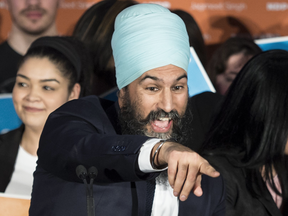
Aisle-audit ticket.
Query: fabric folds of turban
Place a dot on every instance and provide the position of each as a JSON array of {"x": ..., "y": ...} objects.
[{"x": 148, "y": 36}]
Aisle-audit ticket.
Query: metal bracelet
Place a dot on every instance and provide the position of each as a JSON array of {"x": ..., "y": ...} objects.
[{"x": 158, "y": 148}]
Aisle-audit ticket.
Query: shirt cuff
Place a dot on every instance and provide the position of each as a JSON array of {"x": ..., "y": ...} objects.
[{"x": 144, "y": 156}]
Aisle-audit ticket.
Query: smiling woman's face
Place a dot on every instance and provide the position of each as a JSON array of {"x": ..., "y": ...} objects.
[{"x": 40, "y": 88}]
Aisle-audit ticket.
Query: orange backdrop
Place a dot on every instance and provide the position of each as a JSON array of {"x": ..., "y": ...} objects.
[{"x": 218, "y": 19}]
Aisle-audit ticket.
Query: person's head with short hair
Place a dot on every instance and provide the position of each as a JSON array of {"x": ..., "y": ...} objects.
[
  {"x": 151, "y": 52},
  {"x": 252, "y": 126},
  {"x": 33, "y": 17},
  {"x": 30, "y": 20},
  {"x": 53, "y": 71},
  {"x": 195, "y": 35},
  {"x": 95, "y": 29},
  {"x": 228, "y": 59}
]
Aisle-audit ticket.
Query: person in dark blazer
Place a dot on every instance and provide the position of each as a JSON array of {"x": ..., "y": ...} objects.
[
  {"x": 119, "y": 186},
  {"x": 47, "y": 77},
  {"x": 134, "y": 144},
  {"x": 248, "y": 140}
]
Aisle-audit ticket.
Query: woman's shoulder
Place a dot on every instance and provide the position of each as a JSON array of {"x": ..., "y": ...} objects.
[
  {"x": 11, "y": 139},
  {"x": 217, "y": 159},
  {"x": 9, "y": 144},
  {"x": 12, "y": 134},
  {"x": 234, "y": 180},
  {"x": 233, "y": 175},
  {"x": 223, "y": 163}
]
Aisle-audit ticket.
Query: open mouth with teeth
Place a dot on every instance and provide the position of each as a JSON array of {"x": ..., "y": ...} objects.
[{"x": 162, "y": 125}]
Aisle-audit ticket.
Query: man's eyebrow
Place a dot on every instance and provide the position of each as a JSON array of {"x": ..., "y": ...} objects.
[
  {"x": 181, "y": 77},
  {"x": 43, "y": 80},
  {"x": 149, "y": 77},
  {"x": 157, "y": 79}
]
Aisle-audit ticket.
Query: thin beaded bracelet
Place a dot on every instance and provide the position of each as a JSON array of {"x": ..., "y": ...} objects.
[{"x": 158, "y": 148}]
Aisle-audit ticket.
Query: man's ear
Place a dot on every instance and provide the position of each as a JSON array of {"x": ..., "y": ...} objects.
[{"x": 75, "y": 92}]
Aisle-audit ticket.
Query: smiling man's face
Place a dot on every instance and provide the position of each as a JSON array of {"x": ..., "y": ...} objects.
[{"x": 154, "y": 103}]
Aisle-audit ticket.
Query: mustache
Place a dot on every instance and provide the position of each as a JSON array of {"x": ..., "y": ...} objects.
[
  {"x": 33, "y": 8},
  {"x": 159, "y": 113}
]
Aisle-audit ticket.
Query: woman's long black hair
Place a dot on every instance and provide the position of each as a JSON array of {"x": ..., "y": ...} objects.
[{"x": 252, "y": 126}]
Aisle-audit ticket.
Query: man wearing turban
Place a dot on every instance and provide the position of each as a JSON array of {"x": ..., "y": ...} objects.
[{"x": 134, "y": 144}]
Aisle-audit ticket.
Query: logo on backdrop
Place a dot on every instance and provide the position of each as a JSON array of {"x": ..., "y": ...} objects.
[
  {"x": 276, "y": 6},
  {"x": 221, "y": 6},
  {"x": 76, "y": 5},
  {"x": 166, "y": 4}
]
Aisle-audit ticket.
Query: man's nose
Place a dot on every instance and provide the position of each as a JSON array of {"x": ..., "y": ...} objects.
[
  {"x": 166, "y": 101},
  {"x": 33, "y": 2}
]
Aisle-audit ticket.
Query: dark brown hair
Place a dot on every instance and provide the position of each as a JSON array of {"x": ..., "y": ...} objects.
[{"x": 95, "y": 29}]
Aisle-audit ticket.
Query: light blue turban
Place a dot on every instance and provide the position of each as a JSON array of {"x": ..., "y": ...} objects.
[{"x": 148, "y": 36}]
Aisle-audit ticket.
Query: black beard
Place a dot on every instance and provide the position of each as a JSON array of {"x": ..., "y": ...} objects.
[{"x": 131, "y": 122}]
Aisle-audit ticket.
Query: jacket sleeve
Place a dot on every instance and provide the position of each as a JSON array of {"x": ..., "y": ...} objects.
[
  {"x": 80, "y": 133},
  {"x": 220, "y": 209}
]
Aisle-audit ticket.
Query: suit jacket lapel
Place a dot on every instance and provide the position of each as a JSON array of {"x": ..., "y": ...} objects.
[
  {"x": 141, "y": 188},
  {"x": 8, "y": 153},
  {"x": 112, "y": 113}
]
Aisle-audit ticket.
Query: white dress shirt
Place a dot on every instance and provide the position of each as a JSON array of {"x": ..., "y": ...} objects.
[{"x": 164, "y": 203}]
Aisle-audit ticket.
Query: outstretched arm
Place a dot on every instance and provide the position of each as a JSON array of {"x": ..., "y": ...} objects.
[{"x": 185, "y": 168}]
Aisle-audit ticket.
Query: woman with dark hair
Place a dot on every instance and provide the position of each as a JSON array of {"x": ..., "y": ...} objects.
[
  {"x": 248, "y": 139},
  {"x": 228, "y": 59},
  {"x": 95, "y": 29},
  {"x": 195, "y": 35},
  {"x": 53, "y": 71}
]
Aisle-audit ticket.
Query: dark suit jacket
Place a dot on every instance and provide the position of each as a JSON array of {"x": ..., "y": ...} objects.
[
  {"x": 239, "y": 201},
  {"x": 80, "y": 132},
  {"x": 9, "y": 146}
]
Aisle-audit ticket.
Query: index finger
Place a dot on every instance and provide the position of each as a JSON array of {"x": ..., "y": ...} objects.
[{"x": 207, "y": 169}]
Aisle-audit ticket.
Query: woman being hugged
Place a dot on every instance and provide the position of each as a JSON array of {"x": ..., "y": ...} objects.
[
  {"x": 53, "y": 71},
  {"x": 248, "y": 139}
]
